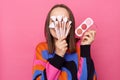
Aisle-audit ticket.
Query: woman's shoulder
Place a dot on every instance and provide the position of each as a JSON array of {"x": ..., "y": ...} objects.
[{"x": 42, "y": 46}]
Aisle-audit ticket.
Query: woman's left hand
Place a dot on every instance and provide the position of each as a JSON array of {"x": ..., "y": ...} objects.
[{"x": 88, "y": 37}]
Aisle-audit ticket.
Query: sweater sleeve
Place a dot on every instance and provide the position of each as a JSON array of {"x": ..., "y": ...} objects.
[
  {"x": 86, "y": 69},
  {"x": 53, "y": 67},
  {"x": 46, "y": 69}
]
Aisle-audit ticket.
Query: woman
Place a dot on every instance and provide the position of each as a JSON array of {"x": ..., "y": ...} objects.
[{"x": 60, "y": 58}]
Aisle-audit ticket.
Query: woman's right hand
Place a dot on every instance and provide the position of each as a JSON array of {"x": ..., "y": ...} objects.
[{"x": 61, "y": 46}]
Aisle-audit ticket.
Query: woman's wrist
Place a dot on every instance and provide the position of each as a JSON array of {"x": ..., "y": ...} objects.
[{"x": 82, "y": 43}]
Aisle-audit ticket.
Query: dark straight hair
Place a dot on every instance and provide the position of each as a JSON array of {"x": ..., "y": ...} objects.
[{"x": 70, "y": 38}]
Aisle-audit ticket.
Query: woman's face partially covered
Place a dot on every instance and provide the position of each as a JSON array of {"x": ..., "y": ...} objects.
[{"x": 59, "y": 11}]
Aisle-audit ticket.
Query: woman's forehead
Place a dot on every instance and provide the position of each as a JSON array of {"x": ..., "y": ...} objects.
[{"x": 59, "y": 12}]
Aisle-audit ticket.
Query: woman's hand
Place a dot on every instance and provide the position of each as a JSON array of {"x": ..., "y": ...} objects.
[
  {"x": 88, "y": 37},
  {"x": 62, "y": 30},
  {"x": 61, "y": 46}
]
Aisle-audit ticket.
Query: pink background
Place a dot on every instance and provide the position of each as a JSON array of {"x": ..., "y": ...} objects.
[{"x": 22, "y": 26}]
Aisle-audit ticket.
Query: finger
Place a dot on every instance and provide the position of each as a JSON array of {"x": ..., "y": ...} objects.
[
  {"x": 59, "y": 24},
  {"x": 57, "y": 34},
  {"x": 88, "y": 34},
  {"x": 85, "y": 39},
  {"x": 90, "y": 31},
  {"x": 63, "y": 42},
  {"x": 64, "y": 45},
  {"x": 62, "y": 27},
  {"x": 65, "y": 48},
  {"x": 93, "y": 32}
]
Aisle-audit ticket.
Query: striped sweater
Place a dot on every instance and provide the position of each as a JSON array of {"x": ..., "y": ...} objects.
[{"x": 75, "y": 66}]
